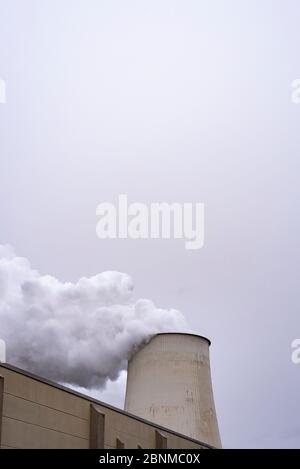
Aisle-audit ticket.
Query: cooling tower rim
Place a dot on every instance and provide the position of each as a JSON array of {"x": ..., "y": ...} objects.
[{"x": 184, "y": 333}]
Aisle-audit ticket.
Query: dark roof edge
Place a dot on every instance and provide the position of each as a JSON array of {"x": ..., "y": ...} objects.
[
  {"x": 184, "y": 333},
  {"x": 95, "y": 401}
]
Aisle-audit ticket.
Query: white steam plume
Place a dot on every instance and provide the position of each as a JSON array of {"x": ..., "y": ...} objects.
[{"x": 78, "y": 333}]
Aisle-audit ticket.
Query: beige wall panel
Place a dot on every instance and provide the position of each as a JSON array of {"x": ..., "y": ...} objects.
[
  {"x": 32, "y": 390},
  {"x": 134, "y": 432},
  {"x": 131, "y": 440},
  {"x": 131, "y": 426},
  {"x": 30, "y": 412},
  {"x": 23, "y": 435},
  {"x": 180, "y": 443},
  {"x": 126, "y": 428}
]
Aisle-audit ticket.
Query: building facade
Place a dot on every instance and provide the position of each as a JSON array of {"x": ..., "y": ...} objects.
[{"x": 37, "y": 413}]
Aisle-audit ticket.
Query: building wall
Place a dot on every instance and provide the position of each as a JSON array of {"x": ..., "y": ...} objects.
[{"x": 38, "y": 414}]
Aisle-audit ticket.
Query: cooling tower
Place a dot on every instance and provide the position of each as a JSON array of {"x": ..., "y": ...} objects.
[
  {"x": 169, "y": 383},
  {"x": 2, "y": 351}
]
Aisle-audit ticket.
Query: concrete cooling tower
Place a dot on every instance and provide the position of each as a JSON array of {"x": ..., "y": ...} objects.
[{"x": 169, "y": 383}]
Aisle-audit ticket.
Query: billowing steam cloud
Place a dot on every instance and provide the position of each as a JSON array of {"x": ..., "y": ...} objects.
[{"x": 78, "y": 333}]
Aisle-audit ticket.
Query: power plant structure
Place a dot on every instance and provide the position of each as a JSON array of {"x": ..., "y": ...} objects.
[
  {"x": 169, "y": 383},
  {"x": 169, "y": 404}
]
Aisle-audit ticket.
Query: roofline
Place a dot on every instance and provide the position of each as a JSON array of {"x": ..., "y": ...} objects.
[
  {"x": 28, "y": 374},
  {"x": 185, "y": 333}
]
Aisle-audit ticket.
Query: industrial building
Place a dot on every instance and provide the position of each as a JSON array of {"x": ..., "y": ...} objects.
[{"x": 169, "y": 404}]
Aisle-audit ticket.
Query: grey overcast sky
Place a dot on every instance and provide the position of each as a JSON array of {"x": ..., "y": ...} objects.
[{"x": 176, "y": 101}]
